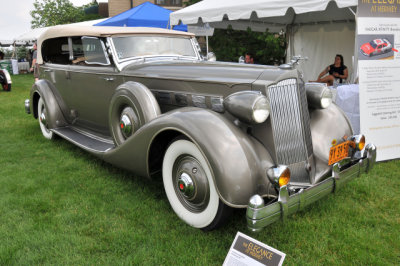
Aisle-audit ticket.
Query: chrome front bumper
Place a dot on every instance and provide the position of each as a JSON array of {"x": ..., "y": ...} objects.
[{"x": 259, "y": 216}]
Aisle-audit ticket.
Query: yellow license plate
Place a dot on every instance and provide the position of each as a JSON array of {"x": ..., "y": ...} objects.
[{"x": 338, "y": 152}]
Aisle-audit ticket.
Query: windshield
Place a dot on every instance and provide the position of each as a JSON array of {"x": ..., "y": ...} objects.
[
  {"x": 134, "y": 46},
  {"x": 373, "y": 44}
]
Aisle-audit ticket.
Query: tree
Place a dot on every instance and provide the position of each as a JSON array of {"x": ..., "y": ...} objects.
[
  {"x": 22, "y": 52},
  {"x": 7, "y": 52},
  {"x": 267, "y": 48},
  {"x": 228, "y": 45},
  {"x": 54, "y": 12}
]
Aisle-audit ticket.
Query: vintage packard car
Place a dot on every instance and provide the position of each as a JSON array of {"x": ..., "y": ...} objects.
[{"x": 219, "y": 135}]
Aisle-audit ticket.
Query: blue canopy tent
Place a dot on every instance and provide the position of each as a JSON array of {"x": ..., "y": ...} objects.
[{"x": 144, "y": 15}]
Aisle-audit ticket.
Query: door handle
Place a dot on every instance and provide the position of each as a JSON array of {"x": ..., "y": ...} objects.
[
  {"x": 48, "y": 70},
  {"x": 108, "y": 79}
]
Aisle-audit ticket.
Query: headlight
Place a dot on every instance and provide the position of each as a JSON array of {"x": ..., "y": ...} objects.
[
  {"x": 319, "y": 96},
  {"x": 261, "y": 110},
  {"x": 359, "y": 141},
  {"x": 249, "y": 106},
  {"x": 279, "y": 175}
]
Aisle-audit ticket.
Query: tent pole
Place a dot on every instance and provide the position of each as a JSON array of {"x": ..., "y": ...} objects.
[
  {"x": 207, "y": 43},
  {"x": 290, "y": 36},
  {"x": 351, "y": 10}
]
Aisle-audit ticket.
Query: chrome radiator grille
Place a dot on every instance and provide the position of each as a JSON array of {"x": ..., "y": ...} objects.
[{"x": 290, "y": 122}]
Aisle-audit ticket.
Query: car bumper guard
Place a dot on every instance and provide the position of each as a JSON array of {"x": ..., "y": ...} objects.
[
  {"x": 27, "y": 106},
  {"x": 259, "y": 216}
]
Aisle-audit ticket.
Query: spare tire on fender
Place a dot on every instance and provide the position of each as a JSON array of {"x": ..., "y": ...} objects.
[{"x": 131, "y": 106}]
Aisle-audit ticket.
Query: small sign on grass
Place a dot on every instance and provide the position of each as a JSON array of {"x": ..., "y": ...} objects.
[{"x": 248, "y": 251}]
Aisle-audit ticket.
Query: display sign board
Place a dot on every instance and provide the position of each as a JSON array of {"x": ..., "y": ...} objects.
[
  {"x": 378, "y": 44},
  {"x": 248, "y": 251}
]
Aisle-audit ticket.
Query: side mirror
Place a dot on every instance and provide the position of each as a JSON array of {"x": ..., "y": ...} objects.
[
  {"x": 241, "y": 59},
  {"x": 211, "y": 57}
]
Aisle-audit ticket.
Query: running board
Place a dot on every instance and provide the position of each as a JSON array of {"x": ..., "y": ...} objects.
[{"x": 86, "y": 142}]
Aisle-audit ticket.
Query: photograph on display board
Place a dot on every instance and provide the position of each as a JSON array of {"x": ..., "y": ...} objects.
[{"x": 374, "y": 47}]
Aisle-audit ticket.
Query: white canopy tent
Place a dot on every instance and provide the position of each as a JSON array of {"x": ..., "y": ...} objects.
[
  {"x": 318, "y": 29},
  {"x": 32, "y": 35}
]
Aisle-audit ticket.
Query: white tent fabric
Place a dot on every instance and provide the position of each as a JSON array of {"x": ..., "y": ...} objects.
[
  {"x": 31, "y": 36},
  {"x": 34, "y": 34},
  {"x": 263, "y": 14},
  {"x": 318, "y": 29}
]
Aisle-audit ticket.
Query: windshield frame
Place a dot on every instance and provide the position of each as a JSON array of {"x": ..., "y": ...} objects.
[{"x": 121, "y": 63}]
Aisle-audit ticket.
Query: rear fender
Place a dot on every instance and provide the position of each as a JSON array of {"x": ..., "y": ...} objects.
[
  {"x": 238, "y": 161},
  {"x": 43, "y": 88}
]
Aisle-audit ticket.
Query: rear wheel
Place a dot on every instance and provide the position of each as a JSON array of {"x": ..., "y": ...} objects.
[
  {"x": 190, "y": 187},
  {"x": 42, "y": 117}
]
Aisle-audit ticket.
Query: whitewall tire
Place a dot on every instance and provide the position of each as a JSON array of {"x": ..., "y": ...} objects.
[
  {"x": 42, "y": 115},
  {"x": 189, "y": 185}
]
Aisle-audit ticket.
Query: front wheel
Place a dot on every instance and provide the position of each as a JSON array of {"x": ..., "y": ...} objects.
[
  {"x": 42, "y": 117},
  {"x": 190, "y": 187}
]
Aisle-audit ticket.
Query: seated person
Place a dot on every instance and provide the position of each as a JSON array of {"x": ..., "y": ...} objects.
[{"x": 336, "y": 71}]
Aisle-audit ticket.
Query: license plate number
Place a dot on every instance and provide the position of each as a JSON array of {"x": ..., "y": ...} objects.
[{"x": 338, "y": 152}]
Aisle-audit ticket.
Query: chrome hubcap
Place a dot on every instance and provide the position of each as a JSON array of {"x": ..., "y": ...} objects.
[
  {"x": 126, "y": 126},
  {"x": 42, "y": 118},
  {"x": 186, "y": 185},
  {"x": 191, "y": 183},
  {"x": 128, "y": 122}
]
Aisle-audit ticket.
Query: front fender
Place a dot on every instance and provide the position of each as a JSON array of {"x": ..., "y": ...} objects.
[
  {"x": 328, "y": 126},
  {"x": 43, "y": 88},
  {"x": 237, "y": 160}
]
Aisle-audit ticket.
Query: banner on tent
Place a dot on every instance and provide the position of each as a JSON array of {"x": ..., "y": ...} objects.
[{"x": 378, "y": 43}]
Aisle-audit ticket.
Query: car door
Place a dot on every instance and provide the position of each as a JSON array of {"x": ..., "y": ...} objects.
[
  {"x": 385, "y": 48},
  {"x": 379, "y": 49},
  {"x": 55, "y": 54},
  {"x": 92, "y": 80}
]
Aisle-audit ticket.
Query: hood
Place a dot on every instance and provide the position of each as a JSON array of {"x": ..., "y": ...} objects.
[
  {"x": 200, "y": 71},
  {"x": 367, "y": 48}
]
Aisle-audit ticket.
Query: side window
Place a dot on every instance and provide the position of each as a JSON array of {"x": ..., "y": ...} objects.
[
  {"x": 89, "y": 51},
  {"x": 94, "y": 51},
  {"x": 56, "y": 51}
]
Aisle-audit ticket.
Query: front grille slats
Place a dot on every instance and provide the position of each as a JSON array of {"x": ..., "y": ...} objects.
[{"x": 290, "y": 122}]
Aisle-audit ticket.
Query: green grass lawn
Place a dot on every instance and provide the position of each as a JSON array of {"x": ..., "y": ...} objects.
[{"x": 60, "y": 205}]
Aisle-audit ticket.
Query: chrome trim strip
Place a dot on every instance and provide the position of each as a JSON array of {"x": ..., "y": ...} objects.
[{"x": 259, "y": 217}]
